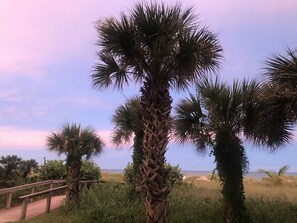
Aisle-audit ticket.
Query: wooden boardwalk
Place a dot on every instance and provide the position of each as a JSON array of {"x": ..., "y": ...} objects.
[{"x": 34, "y": 209}]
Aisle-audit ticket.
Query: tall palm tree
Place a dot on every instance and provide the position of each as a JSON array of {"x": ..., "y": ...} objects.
[
  {"x": 160, "y": 47},
  {"x": 75, "y": 142},
  {"x": 217, "y": 117},
  {"x": 127, "y": 121}
]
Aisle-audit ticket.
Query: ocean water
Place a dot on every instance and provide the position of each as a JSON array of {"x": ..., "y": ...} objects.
[{"x": 255, "y": 175}]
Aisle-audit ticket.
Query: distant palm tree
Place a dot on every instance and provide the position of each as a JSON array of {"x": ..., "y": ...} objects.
[
  {"x": 10, "y": 165},
  {"x": 161, "y": 47},
  {"x": 75, "y": 142},
  {"x": 217, "y": 117},
  {"x": 127, "y": 121},
  {"x": 27, "y": 166},
  {"x": 275, "y": 177}
]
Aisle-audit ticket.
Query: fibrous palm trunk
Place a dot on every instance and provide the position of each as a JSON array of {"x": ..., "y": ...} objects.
[
  {"x": 156, "y": 106},
  {"x": 137, "y": 159},
  {"x": 231, "y": 162},
  {"x": 73, "y": 180}
]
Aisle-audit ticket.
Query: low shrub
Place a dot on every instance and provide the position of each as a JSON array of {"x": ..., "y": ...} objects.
[
  {"x": 53, "y": 170},
  {"x": 90, "y": 171},
  {"x": 174, "y": 177},
  {"x": 110, "y": 203}
]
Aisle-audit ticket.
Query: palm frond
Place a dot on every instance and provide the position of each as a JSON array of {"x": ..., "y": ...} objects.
[
  {"x": 127, "y": 121},
  {"x": 90, "y": 143},
  {"x": 109, "y": 73},
  {"x": 190, "y": 124},
  {"x": 55, "y": 142},
  {"x": 120, "y": 137},
  {"x": 118, "y": 37},
  {"x": 270, "y": 174},
  {"x": 209, "y": 53},
  {"x": 266, "y": 117},
  {"x": 198, "y": 54},
  {"x": 283, "y": 170},
  {"x": 282, "y": 69}
]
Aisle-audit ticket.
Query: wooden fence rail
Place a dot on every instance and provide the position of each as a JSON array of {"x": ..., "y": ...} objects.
[
  {"x": 49, "y": 192},
  {"x": 48, "y": 200},
  {"x": 32, "y": 186}
]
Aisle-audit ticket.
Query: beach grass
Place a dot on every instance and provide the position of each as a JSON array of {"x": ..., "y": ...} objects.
[{"x": 193, "y": 201}]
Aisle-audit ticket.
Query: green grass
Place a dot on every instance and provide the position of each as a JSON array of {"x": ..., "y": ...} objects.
[
  {"x": 112, "y": 177},
  {"x": 57, "y": 216},
  {"x": 194, "y": 201}
]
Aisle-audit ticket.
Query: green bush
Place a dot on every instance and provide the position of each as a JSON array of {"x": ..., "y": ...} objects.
[
  {"x": 90, "y": 171},
  {"x": 109, "y": 203},
  {"x": 129, "y": 175},
  {"x": 53, "y": 170},
  {"x": 174, "y": 177}
]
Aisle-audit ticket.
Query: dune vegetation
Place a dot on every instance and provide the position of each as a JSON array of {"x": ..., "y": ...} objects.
[{"x": 194, "y": 200}]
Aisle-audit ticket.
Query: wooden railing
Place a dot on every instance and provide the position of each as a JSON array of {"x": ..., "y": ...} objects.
[
  {"x": 32, "y": 186},
  {"x": 49, "y": 192},
  {"x": 48, "y": 200}
]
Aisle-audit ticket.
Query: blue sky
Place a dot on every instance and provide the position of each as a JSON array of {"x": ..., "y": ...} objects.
[{"x": 48, "y": 50}]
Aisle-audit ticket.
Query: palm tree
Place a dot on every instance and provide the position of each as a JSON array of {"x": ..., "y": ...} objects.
[
  {"x": 161, "y": 47},
  {"x": 10, "y": 165},
  {"x": 27, "y": 166},
  {"x": 127, "y": 121},
  {"x": 216, "y": 117},
  {"x": 275, "y": 177},
  {"x": 75, "y": 142}
]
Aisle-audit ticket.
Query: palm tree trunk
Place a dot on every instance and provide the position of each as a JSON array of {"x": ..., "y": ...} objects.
[
  {"x": 73, "y": 179},
  {"x": 156, "y": 107},
  {"x": 231, "y": 162},
  {"x": 137, "y": 157}
]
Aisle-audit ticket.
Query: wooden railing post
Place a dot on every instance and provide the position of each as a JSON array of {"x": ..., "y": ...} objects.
[
  {"x": 24, "y": 209},
  {"x": 8, "y": 200},
  {"x": 32, "y": 191},
  {"x": 48, "y": 203}
]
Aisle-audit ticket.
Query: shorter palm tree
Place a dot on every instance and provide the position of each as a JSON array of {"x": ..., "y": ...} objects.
[
  {"x": 217, "y": 117},
  {"x": 275, "y": 177},
  {"x": 75, "y": 142},
  {"x": 127, "y": 121},
  {"x": 27, "y": 166}
]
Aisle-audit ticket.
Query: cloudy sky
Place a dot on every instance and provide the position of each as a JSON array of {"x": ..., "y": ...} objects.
[{"x": 48, "y": 48}]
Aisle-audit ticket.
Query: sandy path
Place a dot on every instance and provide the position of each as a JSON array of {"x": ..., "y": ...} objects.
[{"x": 34, "y": 209}]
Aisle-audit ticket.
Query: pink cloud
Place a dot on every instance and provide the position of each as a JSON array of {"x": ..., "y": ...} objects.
[
  {"x": 22, "y": 139},
  {"x": 17, "y": 138}
]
